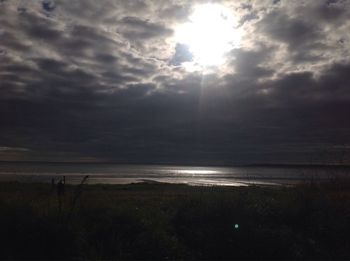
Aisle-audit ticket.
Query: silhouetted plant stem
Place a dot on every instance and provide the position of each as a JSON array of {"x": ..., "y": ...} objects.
[{"x": 76, "y": 196}]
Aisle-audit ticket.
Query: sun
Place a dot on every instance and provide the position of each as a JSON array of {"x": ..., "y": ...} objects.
[{"x": 209, "y": 34}]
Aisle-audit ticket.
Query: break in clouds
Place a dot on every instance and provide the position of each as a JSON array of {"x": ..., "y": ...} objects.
[{"x": 107, "y": 81}]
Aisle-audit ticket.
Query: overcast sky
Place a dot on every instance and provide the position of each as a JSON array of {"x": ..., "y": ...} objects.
[{"x": 89, "y": 80}]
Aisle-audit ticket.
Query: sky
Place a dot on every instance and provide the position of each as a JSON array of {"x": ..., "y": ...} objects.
[{"x": 119, "y": 81}]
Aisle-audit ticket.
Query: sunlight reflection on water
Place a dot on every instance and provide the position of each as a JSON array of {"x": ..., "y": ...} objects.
[{"x": 197, "y": 171}]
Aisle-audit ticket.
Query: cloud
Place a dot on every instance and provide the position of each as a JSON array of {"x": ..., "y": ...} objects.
[
  {"x": 291, "y": 31},
  {"x": 134, "y": 28},
  {"x": 106, "y": 81}
]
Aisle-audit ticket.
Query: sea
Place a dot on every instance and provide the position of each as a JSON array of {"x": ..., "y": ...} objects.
[{"x": 101, "y": 173}]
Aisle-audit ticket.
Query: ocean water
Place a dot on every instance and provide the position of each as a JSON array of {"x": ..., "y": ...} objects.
[{"x": 124, "y": 174}]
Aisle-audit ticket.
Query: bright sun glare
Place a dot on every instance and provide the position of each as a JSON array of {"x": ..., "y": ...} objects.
[{"x": 209, "y": 34}]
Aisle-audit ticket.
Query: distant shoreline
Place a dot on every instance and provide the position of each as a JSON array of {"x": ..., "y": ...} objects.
[
  {"x": 192, "y": 175},
  {"x": 270, "y": 165}
]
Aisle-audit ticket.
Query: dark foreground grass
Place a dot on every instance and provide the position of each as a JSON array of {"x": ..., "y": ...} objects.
[{"x": 159, "y": 221}]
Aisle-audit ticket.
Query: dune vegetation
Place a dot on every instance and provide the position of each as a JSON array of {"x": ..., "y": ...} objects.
[{"x": 163, "y": 221}]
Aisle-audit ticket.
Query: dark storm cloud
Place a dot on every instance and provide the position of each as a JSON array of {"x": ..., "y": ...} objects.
[
  {"x": 83, "y": 42},
  {"x": 11, "y": 42},
  {"x": 136, "y": 29},
  {"x": 38, "y": 27},
  {"x": 331, "y": 11},
  {"x": 312, "y": 31},
  {"x": 248, "y": 64},
  {"x": 334, "y": 83},
  {"x": 294, "y": 32},
  {"x": 50, "y": 65},
  {"x": 301, "y": 101},
  {"x": 105, "y": 81}
]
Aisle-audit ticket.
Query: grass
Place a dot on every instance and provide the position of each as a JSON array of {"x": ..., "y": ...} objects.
[{"x": 163, "y": 221}]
